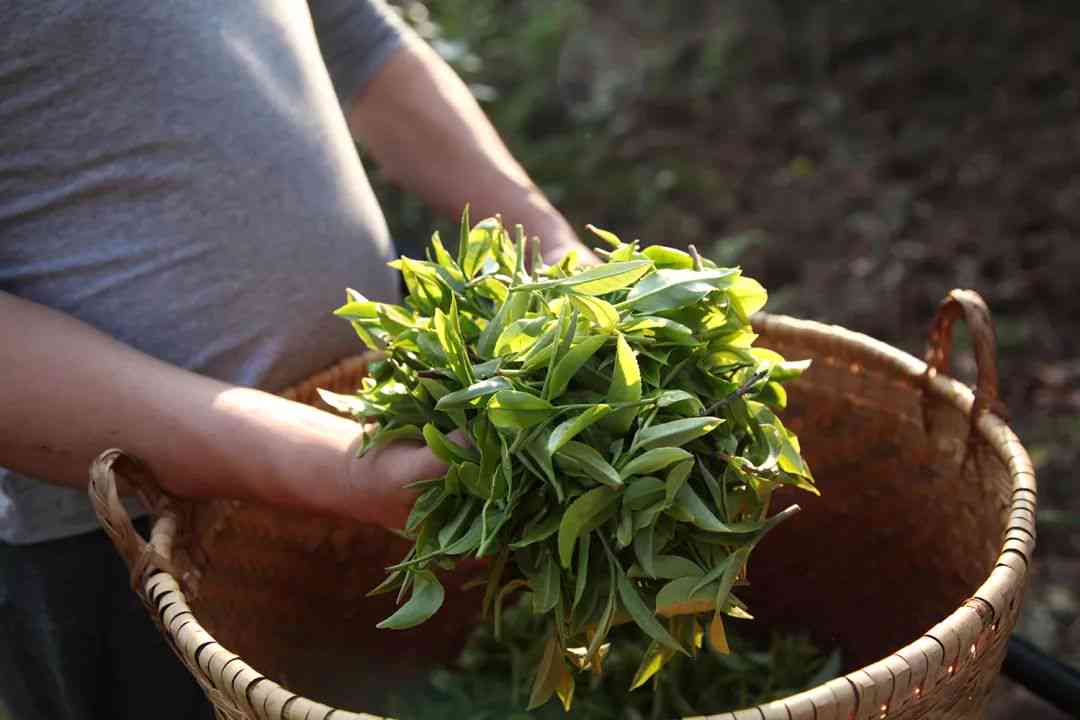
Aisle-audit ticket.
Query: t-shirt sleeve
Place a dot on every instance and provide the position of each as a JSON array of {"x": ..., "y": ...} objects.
[{"x": 356, "y": 37}]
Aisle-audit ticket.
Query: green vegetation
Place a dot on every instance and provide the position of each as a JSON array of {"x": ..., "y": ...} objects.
[
  {"x": 490, "y": 680},
  {"x": 616, "y": 445}
]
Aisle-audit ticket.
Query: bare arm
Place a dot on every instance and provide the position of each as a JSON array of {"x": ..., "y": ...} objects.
[
  {"x": 419, "y": 120},
  {"x": 68, "y": 392}
]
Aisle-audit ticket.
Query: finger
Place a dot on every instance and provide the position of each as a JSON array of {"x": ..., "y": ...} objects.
[{"x": 380, "y": 494}]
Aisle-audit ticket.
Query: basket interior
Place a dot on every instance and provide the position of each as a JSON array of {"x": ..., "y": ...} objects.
[
  {"x": 909, "y": 523},
  {"x": 905, "y": 531}
]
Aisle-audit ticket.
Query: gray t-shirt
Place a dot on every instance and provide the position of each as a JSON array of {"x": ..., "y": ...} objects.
[{"x": 180, "y": 175}]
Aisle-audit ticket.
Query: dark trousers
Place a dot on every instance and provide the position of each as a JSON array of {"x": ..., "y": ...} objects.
[{"x": 76, "y": 643}]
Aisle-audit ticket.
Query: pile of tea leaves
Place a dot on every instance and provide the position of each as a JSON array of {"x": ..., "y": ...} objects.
[
  {"x": 491, "y": 680},
  {"x": 610, "y": 433}
]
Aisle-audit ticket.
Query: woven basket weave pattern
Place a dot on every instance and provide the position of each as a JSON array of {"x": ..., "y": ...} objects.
[{"x": 916, "y": 553}]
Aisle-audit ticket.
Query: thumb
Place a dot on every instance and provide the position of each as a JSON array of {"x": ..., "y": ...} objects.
[{"x": 380, "y": 492}]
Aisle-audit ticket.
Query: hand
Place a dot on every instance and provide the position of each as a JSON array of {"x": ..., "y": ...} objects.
[
  {"x": 377, "y": 482},
  {"x": 557, "y": 239}
]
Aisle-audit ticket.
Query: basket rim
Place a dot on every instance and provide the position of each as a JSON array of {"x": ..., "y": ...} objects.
[{"x": 910, "y": 672}]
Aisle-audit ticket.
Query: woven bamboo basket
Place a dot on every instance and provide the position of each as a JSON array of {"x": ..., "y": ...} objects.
[{"x": 914, "y": 560}]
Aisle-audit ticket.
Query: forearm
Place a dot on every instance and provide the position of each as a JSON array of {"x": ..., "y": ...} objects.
[
  {"x": 421, "y": 123},
  {"x": 70, "y": 392}
]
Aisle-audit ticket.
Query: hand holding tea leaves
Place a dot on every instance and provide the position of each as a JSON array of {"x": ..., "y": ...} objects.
[{"x": 621, "y": 450}]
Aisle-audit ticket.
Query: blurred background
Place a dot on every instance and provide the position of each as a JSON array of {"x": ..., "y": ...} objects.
[{"x": 859, "y": 159}]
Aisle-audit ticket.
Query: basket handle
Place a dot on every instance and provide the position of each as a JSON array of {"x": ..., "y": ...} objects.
[
  {"x": 111, "y": 471},
  {"x": 969, "y": 305}
]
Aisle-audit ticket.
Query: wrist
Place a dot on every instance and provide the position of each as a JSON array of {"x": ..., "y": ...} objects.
[
  {"x": 257, "y": 446},
  {"x": 540, "y": 219}
]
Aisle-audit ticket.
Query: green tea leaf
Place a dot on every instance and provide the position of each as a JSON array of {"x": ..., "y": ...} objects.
[
  {"x": 470, "y": 540},
  {"x": 644, "y": 550},
  {"x": 538, "y": 532},
  {"x": 587, "y": 512},
  {"x": 462, "y": 398},
  {"x": 788, "y": 370},
  {"x": 448, "y": 331},
  {"x": 426, "y": 504},
  {"x": 731, "y": 573},
  {"x": 463, "y": 236},
  {"x": 427, "y": 597},
  {"x": 676, "y": 479},
  {"x": 773, "y": 394},
  {"x": 599, "y": 280},
  {"x": 395, "y": 319},
  {"x": 358, "y": 308},
  {"x": 427, "y": 292},
  {"x": 567, "y": 434},
  {"x": 582, "y": 569},
  {"x": 538, "y": 354},
  {"x": 571, "y": 363},
  {"x": 469, "y": 475},
  {"x": 448, "y": 533},
  {"x": 716, "y": 573},
  {"x": 606, "y": 619},
  {"x": 678, "y": 598},
  {"x": 670, "y": 567},
  {"x": 445, "y": 449},
  {"x": 537, "y": 450},
  {"x": 560, "y": 346},
  {"x": 624, "y": 531},
  {"x": 602, "y": 313},
  {"x": 546, "y": 586},
  {"x": 643, "y": 492},
  {"x": 665, "y": 257},
  {"x": 520, "y": 335},
  {"x": 642, "y": 616},
  {"x": 444, "y": 260},
  {"x": 671, "y": 289},
  {"x": 691, "y": 503},
  {"x": 676, "y": 432},
  {"x": 652, "y": 460},
  {"x": 512, "y": 310},
  {"x": 479, "y": 245},
  {"x": 515, "y": 410},
  {"x": 589, "y": 463},
  {"x": 747, "y": 296},
  {"x": 348, "y": 404},
  {"x": 605, "y": 235},
  {"x": 662, "y": 328},
  {"x": 625, "y": 387},
  {"x": 567, "y": 430}
]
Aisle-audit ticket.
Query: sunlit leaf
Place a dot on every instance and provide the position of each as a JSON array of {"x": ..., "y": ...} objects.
[
  {"x": 625, "y": 387},
  {"x": 676, "y": 432},
  {"x": 670, "y": 289},
  {"x": 462, "y": 398},
  {"x": 569, "y": 429},
  {"x": 586, "y": 513},
  {"x": 515, "y": 410},
  {"x": 599, "y": 280},
  {"x": 652, "y": 460},
  {"x": 571, "y": 363}
]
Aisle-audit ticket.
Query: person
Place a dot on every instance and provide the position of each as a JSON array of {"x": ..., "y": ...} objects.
[{"x": 181, "y": 207}]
